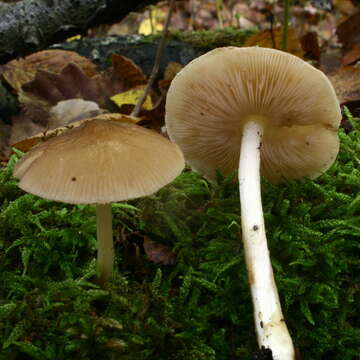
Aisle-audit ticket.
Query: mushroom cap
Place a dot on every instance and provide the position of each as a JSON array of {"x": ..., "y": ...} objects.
[
  {"x": 211, "y": 99},
  {"x": 100, "y": 161}
]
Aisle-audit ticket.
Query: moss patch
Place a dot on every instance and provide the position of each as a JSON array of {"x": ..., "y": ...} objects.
[
  {"x": 210, "y": 39},
  {"x": 200, "y": 307}
]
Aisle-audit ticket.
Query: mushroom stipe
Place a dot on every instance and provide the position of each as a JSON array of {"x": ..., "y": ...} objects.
[
  {"x": 99, "y": 162},
  {"x": 259, "y": 109}
]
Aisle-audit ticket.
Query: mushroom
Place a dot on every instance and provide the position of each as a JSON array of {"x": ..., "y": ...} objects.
[
  {"x": 246, "y": 108},
  {"x": 99, "y": 162}
]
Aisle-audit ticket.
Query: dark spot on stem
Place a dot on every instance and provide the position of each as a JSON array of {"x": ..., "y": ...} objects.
[
  {"x": 261, "y": 324},
  {"x": 73, "y": 179},
  {"x": 255, "y": 228},
  {"x": 263, "y": 354},
  {"x": 307, "y": 143}
]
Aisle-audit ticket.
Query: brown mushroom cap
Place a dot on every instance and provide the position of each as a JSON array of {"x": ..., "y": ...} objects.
[
  {"x": 100, "y": 161},
  {"x": 210, "y": 100}
]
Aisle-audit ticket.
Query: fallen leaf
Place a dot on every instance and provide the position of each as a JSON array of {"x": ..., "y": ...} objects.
[
  {"x": 23, "y": 129},
  {"x": 131, "y": 97},
  {"x": 18, "y": 72},
  {"x": 127, "y": 70},
  {"x": 72, "y": 38},
  {"x": 346, "y": 82},
  {"x": 346, "y": 7},
  {"x": 348, "y": 33},
  {"x": 330, "y": 61},
  {"x": 152, "y": 119},
  {"x": 310, "y": 45},
  {"x": 158, "y": 253},
  {"x": 172, "y": 68},
  {"x": 352, "y": 55},
  {"x": 155, "y": 118},
  {"x": 153, "y": 22},
  {"x": 273, "y": 39},
  {"x": 49, "y": 88}
]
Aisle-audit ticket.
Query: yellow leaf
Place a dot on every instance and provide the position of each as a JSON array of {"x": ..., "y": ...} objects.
[
  {"x": 76, "y": 37},
  {"x": 132, "y": 97},
  {"x": 157, "y": 19}
]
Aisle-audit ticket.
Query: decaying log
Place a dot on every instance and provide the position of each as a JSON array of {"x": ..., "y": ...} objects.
[{"x": 32, "y": 25}]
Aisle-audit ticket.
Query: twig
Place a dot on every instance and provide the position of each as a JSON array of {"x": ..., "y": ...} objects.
[
  {"x": 271, "y": 19},
  {"x": 192, "y": 15},
  {"x": 156, "y": 66},
  {"x": 151, "y": 18},
  {"x": 284, "y": 42},
  {"x": 219, "y": 7}
]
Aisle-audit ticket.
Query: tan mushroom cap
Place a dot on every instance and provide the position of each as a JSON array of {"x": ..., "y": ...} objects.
[
  {"x": 213, "y": 96},
  {"x": 100, "y": 161}
]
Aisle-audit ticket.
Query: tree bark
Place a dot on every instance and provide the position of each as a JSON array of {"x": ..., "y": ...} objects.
[{"x": 32, "y": 25}]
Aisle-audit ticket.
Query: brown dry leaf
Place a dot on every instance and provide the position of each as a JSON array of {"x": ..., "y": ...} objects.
[
  {"x": 352, "y": 55},
  {"x": 155, "y": 118},
  {"x": 346, "y": 7},
  {"x": 128, "y": 70},
  {"x": 348, "y": 33},
  {"x": 272, "y": 39},
  {"x": 158, "y": 253},
  {"x": 310, "y": 45},
  {"x": 26, "y": 144},
  {"x": 152, "y": 119},
  {"x": 23, "y": 128},
  {"x": 70, "y": 83},
  {"x": 346, "y": 82},
  {"x": 19, "y": 72},
  {"x": 330, "y": 60},
  {"x": 172, "y": 68},
  {"x": 49, "y": 88}
]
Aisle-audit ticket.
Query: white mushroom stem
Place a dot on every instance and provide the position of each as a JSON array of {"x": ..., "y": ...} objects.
[
  {"x": 105, "y": 255},
  {"x": 269, "y": 321}
]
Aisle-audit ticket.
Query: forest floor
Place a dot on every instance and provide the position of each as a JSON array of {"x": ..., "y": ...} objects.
[{"x": 180, "y": 287}]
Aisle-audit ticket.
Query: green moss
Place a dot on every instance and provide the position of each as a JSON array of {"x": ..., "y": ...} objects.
[
  {"x": 200, "y": 307},
  {"x": 210, "y": 39},
  {"x": 205, "y": 39}
]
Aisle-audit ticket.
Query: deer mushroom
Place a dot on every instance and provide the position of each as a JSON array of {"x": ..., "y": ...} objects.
[
  {"x": 246, "y": 109},
  {"x": 99, "y": 162}
]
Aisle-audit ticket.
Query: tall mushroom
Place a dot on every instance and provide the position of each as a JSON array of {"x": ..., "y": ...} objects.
[
  {"x": 246, "y": 108},
  {"x": 99, "y": 162}
]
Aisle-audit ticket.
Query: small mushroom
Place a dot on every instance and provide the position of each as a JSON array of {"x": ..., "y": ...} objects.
[
  {"x": 246, "y": 108},
  {"x": 99, "y": 162}
]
